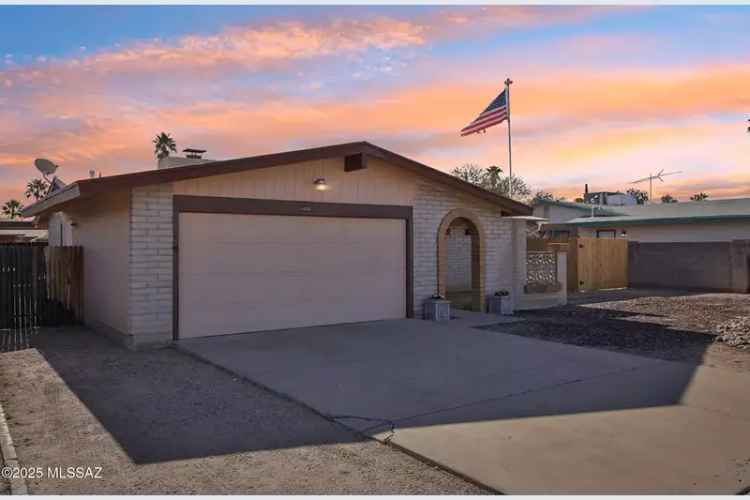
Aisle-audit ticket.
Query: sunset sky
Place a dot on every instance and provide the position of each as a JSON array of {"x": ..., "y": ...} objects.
[{"x": 601, "y": 96}]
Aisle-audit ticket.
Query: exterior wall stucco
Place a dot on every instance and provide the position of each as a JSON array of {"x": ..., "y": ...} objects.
[{"x": 103, "y": 232}]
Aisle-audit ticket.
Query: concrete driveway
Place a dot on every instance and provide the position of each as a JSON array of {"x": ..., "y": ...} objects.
[{"x": 516, "y": 414}]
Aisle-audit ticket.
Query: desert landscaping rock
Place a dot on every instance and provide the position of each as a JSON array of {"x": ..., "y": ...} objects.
[
  {"x": 699, "y": 328},
  {"x": 735, "y": 332}
]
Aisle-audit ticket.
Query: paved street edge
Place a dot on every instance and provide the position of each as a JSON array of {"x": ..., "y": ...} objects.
[{"x": 9, "y": 457}]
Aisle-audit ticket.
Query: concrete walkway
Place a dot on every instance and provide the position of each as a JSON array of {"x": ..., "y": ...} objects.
[{"x": 516, "y": 414}]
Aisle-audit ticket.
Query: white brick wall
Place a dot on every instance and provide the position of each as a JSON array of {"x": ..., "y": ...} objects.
[
  {"x": 432, "y": 203},
  {"x": 151, "y": 259}
]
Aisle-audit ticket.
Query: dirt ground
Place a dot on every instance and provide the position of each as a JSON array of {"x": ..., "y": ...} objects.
[
  {"x": 665, "y": 324},
  {"x": 161, "y": 422}
]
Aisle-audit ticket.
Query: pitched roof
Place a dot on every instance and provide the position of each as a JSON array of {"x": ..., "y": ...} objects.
[
  {"x": 672, "y": 213},
  {"x": 87, "y": 188}
]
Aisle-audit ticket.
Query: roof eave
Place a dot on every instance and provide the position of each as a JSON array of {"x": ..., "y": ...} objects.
[
  {"x": 69, "y": 193},
  {"x": 90, "y": 187},
  {"x": 603, "y": 221}
]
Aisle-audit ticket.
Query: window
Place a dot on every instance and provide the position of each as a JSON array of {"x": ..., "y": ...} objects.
[{"x": 606, "y": 233}]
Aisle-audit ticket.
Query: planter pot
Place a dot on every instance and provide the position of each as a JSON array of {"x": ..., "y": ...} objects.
[
  {"x": 437, "y": 310},
  {"x": 500, "y": 305}
]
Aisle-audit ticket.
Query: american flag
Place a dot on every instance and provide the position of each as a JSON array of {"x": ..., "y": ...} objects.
[{"x": 495, "y": 113}]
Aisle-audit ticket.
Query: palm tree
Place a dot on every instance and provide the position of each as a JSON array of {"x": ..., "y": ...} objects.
[
  {"x": 493, "y": 177},
  {"x": 12, "y": 209},
  {"x": 699, "y": 197},
  {"x": 36, "y": 188},
  {"x": 163, "y": 144}
]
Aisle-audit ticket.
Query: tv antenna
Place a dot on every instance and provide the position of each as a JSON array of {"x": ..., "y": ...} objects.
[{"x": 650, "y": 180}]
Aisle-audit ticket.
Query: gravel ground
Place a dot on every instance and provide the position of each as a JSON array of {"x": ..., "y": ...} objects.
[
  {"x": 672, "y": 325},
  {"x": 161, "y": 422}
]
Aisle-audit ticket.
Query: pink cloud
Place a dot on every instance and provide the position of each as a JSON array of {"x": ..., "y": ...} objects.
[{"x": 570, "y": 125}]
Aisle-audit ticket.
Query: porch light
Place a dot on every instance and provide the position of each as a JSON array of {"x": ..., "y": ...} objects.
[{"x": 320, "y": 184}]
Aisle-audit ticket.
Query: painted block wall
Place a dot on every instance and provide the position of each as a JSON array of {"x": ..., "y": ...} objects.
[{"x": 151, "y": 259}]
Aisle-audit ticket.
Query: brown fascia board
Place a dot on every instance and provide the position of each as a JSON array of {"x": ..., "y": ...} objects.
[
  {"x": 68, "y": 193},
  {"x": 16, "y": 224},
  {"x": 91, "y": 187}
]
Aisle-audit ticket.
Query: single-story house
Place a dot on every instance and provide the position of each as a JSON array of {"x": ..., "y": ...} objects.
[
  {"x": 20, "y": 231},
  {"x": 690, "y": 221},
  {"x": 344, "y": 233},
  {"x": 697, "y": 244}
]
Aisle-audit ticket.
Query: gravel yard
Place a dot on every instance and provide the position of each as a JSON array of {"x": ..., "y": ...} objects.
[
  {"x": 672, "y": 325},
  {"x": 161, "y": 422}
]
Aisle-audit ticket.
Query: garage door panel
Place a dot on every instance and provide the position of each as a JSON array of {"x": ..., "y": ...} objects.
[
  {"x": 240, "y": 273},
  {"x": 295, "y": 288},
  {"x": 282, "y": 258}
]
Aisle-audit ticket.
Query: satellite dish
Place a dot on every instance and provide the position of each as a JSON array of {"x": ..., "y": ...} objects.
[{"x": 45, "y": 166}]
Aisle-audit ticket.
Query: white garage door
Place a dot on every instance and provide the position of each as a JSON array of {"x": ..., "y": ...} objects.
[{"x": 243, "y": 273}]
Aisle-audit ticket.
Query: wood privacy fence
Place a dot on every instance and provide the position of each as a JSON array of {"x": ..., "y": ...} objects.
[
  {"x": 593, "y": 263},
  {"x": 39, "y": 286}
]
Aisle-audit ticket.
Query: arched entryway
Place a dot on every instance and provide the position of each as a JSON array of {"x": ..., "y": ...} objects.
[{"x": 460, "y": 249}]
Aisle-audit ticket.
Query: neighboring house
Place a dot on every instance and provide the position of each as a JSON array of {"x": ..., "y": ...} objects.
[
  {"x": 610, "y": 198},
  {"x": 334, "y": 234},
  {"x": 708, "y": 220},
  {"x": 695, "y": 244},
  {"x": 20, "y": 231},
  {"x": 562, "y": 211}
]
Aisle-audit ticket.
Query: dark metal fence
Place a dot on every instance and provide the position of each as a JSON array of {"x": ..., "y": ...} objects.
[{"x": 36, "y": 286}]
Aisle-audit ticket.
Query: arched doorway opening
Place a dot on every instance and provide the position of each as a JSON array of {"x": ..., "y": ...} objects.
[{"x": 460, "y": 260}]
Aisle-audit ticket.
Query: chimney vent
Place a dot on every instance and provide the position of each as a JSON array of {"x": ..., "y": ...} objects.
[{"x": 194, "y": 154}]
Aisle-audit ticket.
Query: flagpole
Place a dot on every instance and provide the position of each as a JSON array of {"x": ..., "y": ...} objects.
[{"x": 508, "y": 81}]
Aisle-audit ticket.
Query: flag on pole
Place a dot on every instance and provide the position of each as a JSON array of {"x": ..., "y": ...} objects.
[{"x": 495, "y": 113}]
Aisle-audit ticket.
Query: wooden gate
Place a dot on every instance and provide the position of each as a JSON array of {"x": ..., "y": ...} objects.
[
  {"x": 593, "y": 263},
  {"x": 602, "y": 263},
  {"x": 39, "y": 286}
]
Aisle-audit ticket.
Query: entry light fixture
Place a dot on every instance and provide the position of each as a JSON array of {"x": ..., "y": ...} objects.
[{"x": 320, "y": 184}]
